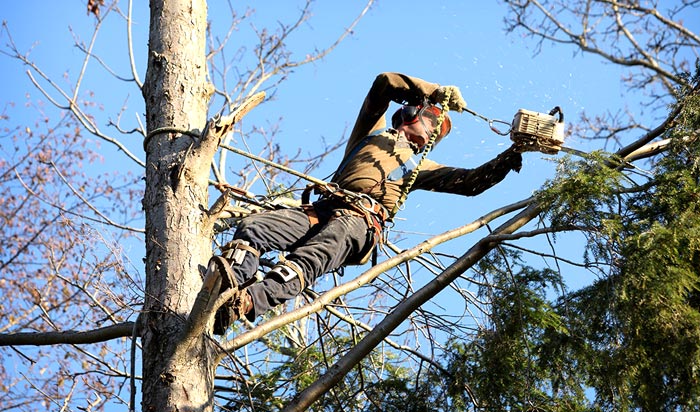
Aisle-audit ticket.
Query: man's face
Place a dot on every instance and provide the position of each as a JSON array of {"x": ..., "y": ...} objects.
[{"x": 419, "y": 131}]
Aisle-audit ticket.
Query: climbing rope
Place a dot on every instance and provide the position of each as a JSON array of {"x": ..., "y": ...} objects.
[{"x": 414, "y": 174}]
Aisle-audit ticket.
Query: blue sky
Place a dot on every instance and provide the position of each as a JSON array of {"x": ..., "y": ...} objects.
[
  {"x": 462, "y": 43},
  {"x": 447, "y": 42}
]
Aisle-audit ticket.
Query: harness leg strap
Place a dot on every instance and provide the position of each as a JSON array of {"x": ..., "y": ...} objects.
[
  {"x": 286, "y": 271},
  {"x": 236, "y": 250}
]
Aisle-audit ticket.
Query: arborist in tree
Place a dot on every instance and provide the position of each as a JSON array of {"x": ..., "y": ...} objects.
[{"x": 381, "y": 165}]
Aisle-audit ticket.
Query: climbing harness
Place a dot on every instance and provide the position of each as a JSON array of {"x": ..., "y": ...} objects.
[
  {"x": 356, "y": 204},
  {"x": 375, "y": 214}
]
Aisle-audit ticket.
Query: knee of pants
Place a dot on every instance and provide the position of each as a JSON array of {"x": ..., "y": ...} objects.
[
  {"x": 243, "y": 230},
  {"x": 253, "y": 233}
]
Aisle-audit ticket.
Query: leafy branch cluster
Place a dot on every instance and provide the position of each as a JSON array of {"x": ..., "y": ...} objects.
[{"x": 630, "y": 340}]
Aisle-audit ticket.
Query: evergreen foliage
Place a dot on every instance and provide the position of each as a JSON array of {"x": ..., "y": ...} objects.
[{"x": 630, "y": 341}]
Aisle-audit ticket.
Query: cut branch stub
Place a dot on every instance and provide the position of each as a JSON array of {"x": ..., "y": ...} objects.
[{"x": 224, "y": 125}]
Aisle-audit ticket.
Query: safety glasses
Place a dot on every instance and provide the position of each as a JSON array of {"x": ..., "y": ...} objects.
[{"x": 428, "y": 116}]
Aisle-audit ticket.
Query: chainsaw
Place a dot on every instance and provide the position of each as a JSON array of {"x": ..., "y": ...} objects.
[{"x": 539, "y": 131}]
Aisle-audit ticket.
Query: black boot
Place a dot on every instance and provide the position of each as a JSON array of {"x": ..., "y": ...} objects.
[
  {"x": 231, "y": 311},
  {"x": 224, "y": 315}
]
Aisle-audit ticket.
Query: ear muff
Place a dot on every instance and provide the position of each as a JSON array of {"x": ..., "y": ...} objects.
[
  {"x": 396, "y": 119},
  {"x": 405, "y": 114}
]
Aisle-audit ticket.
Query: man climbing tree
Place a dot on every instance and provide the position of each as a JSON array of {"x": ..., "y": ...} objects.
[{"x": 381, "y": 165}]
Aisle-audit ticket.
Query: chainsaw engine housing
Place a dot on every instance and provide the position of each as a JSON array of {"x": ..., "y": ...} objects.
[{"x": 544, "y": 132}]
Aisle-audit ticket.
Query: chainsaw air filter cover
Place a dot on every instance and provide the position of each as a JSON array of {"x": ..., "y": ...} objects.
[{"x": 541, "y": 131}]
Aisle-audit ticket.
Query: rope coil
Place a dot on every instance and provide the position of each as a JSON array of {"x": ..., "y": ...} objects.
[{"x": 428, "y": 147}]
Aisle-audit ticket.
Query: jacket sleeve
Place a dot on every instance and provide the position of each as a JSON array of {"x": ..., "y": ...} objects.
[
  {"x": 387, "y": 87},
  {"x": 468, "y": 182}
]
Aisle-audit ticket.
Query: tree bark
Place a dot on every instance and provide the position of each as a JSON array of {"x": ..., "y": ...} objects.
[{"x": 177, "y": 375}]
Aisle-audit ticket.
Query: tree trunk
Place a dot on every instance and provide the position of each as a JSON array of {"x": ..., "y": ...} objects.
[{"x": 178, "y": 243}]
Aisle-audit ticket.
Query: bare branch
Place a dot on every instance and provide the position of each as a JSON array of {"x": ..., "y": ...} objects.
[
  {"x": 104, "y": 334},
  {"x": 88, "y": 52},
  {"x": 63, "y": 209},
  {"x": 70, "y": 102},
  {"x": 314, "y": 391},
  {"x": 605, "y": 28},
  {"x": 87, "y": 203},
  {"x": 368, "y": 276},
  {"x": 350, "y": 320},
  {"x": 130, "y": 44}
]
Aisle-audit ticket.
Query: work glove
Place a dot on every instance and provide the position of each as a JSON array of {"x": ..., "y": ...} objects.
[
  {"x": 525, "y": 146},
  {"x": 456, "y": 101},
  {"x": 547, "y": 146},
  {"x": 512, "y": 159}
]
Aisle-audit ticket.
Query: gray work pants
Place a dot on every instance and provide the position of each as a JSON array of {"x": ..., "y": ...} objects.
[{"x": 337, "y": 239}]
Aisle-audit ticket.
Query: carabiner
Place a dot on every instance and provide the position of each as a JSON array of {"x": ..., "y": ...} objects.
[
  {"x": 331, "y": 187},
  {"x": 491, "y": 122},
  {"x": 498, "y": 131}
]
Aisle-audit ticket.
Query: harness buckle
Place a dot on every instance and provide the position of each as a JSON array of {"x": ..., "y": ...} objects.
[{"x": 366, "y": 203}]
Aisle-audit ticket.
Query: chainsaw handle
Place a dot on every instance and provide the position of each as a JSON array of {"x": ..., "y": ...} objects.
[{"x": 556, "y": 110}]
